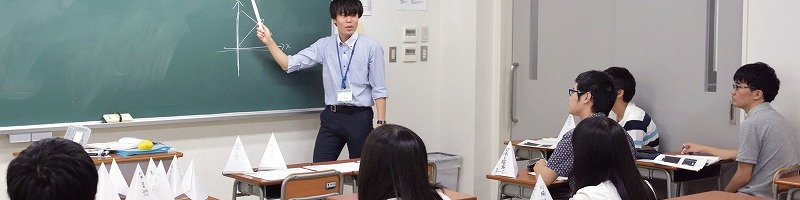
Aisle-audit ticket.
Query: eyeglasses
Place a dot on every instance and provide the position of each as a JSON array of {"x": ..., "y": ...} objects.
[
  {"x": 736, "y": 87},
  {"x": 573, "y": 91}
]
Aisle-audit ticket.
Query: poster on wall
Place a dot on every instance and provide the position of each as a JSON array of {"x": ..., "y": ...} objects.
[
  {"x": 412, "y": 5},
  {"x": 367, "y": 7}
]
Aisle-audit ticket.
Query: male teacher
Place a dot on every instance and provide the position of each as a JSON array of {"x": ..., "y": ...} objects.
[{"x": 353, "y": 78}]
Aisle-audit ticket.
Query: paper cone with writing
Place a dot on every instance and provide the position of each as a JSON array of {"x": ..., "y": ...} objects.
[
  {"x": 540, "y": 191},
  {"x": 159, "y": 183},
  {"x": 175, "y": 176},
  {"x": 105, "y": 188},
  {"x": 191, "y": 184},
  {"x": 117, "y": 179},
  {"x": 138, "y": 189},
  {"x": 568, "y": 125},
  {"x": 272, "y": 158},
  {"x": 150, "y": 172},
  {"x": 507, "y": 165},
  {"x": 237, "y": 161}
]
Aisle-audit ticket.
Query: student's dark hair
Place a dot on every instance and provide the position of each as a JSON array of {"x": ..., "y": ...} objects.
[
  {"x": 53, "y": 168},
  {"x": 346, "y": 7},
  {"x": 623, "y": 79},
  {"x": 394, "y": 163},
  {"x": 759, "y": 76},
  {"x": 602, "y": 152},
  {"x": 600, "y": 86}
]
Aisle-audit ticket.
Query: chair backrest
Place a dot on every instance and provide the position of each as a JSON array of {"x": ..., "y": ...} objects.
[
  {"x": 432, "y": 172},
  {"x": 782, "y": 173},
  {"x": 312, "y": 185}
]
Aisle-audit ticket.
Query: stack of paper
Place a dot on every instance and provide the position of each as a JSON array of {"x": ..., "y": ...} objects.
[
  {"x": 694, "y": 163},
  {"x": 121, "y": 144},
  {"x": 279, "y": 174},
  {"x": 547, "y": 143},
  {"x": 341, "y": 167},
  {"x": 559, "y": 178}
]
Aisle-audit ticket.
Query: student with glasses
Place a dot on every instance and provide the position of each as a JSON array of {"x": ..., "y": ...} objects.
[
  {"x": 766, "y": 141},
  {"x": 592, "y": 96}
]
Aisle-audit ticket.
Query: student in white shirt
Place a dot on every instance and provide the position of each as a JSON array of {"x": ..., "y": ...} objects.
[
  {"x": 394, "y": 165},
  {"x": 603, "y": 165}
]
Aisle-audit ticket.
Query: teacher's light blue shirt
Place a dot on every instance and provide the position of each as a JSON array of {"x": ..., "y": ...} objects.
[{"x": 366, "y": 77}]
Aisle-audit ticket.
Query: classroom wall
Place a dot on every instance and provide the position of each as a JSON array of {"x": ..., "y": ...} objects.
[
  {"x": 771, "y": 37},
  {"x": 573, "y": 36},
  {"x": 662, "y": 43},
  {"x": 452, "y": 101}
]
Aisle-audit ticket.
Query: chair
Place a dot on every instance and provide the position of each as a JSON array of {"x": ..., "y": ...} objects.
[
  {"x": 783, "y": 173},
  {"x": 312, "y": 185},
  {"x": 432, "y": 172}
]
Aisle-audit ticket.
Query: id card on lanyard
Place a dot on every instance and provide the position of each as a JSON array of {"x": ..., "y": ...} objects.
[{"x": 344, "y": 95}]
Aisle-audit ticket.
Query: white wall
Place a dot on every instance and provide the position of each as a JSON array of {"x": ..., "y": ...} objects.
[
  {"x": 574, "y": 36},
  {"x": 452, "y": 101},
  {"x": 661, "y": 42},
  {"x": 771, "y": 37}
]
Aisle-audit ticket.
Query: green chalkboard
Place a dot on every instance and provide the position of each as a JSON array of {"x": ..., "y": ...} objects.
[{"x": 74, "y": 60}]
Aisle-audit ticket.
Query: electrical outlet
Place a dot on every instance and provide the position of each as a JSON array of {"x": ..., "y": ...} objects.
[
  {"x": 392, "y": 54},
  {"x": 423, "y": 53}
]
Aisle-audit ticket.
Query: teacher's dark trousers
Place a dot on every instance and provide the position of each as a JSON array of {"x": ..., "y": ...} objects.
[{"x": 340, "y": 125}]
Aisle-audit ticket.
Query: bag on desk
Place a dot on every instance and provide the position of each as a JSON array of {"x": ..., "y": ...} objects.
[
  {"x": 649, "y": 154},
  {"x": 157, "y": 148}
]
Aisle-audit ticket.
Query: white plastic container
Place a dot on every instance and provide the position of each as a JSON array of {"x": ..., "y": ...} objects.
[{"x": 448, "y": 167}]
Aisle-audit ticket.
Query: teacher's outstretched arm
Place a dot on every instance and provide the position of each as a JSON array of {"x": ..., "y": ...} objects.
[{"x": 265, "y": 36}]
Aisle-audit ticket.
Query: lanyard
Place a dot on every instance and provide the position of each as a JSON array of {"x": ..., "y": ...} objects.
[{"x": 344, "y": 75}]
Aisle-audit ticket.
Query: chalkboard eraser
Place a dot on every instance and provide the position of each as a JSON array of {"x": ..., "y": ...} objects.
[{"x": 117, "y": 117}]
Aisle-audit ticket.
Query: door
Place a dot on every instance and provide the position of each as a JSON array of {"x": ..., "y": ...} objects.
[{"x": 667, "y": 46}]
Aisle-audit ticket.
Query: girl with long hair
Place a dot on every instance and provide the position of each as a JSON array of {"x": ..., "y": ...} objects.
[
  {"x": 603, "y": 166},
  {"x": 394, "y": 164}
]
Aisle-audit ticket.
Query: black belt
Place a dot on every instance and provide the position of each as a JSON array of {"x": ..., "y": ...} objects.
[{"x": 346, "y": 109}]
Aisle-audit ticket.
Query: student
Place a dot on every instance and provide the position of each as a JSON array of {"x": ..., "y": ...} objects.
[
  {"x": 352, "y": 76},
  {"x": 603, "y": 169},
  {"x": 766, "y": 141},
  {"x": 636, "y": 122},
  {"x": 592, "y": 96},
  {"x": 53, "y": 168},
  {"x": 395, "y": 165}
]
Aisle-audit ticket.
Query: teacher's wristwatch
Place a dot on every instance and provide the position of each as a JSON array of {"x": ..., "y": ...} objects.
[{"x": 381, "y": 122}]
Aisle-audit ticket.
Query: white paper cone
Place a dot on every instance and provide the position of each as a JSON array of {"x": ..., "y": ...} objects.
[{"x": 272, "y": 158}]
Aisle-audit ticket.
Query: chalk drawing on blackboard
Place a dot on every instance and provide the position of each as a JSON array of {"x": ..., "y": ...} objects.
[{"x": 239, "y": 40}]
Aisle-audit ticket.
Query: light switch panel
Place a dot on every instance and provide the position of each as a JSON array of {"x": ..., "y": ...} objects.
[
  {"x": 410, "y": 53},
  {"x": 409, "y": 34},
  {"x": 423, "y": 34}
]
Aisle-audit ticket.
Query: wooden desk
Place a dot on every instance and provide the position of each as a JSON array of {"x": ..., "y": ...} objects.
[
  {"x": 134, "y": 158},
  {"x": 452, "y": 194},
  {"x": 679, "y": 176},
  {"x": 245, "y": 185},
  {"x": 792, "y": 182},
  {"x": 523, "y": 184},
  {"x": 718, "y": 195},
  {"x": 181, "y": 197},
  {"x": 526, "y": 152}
]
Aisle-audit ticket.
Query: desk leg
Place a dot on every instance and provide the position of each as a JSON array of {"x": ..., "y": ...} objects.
[
  {"x": 544, "y": 154},
  {"x": 235, "y": 187},
  {"x": 355, "y": 183},
  {"x": 669, "y": 179},
  {"x": 262, "y": 194},
  {"x": 500, "y": 190}
]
